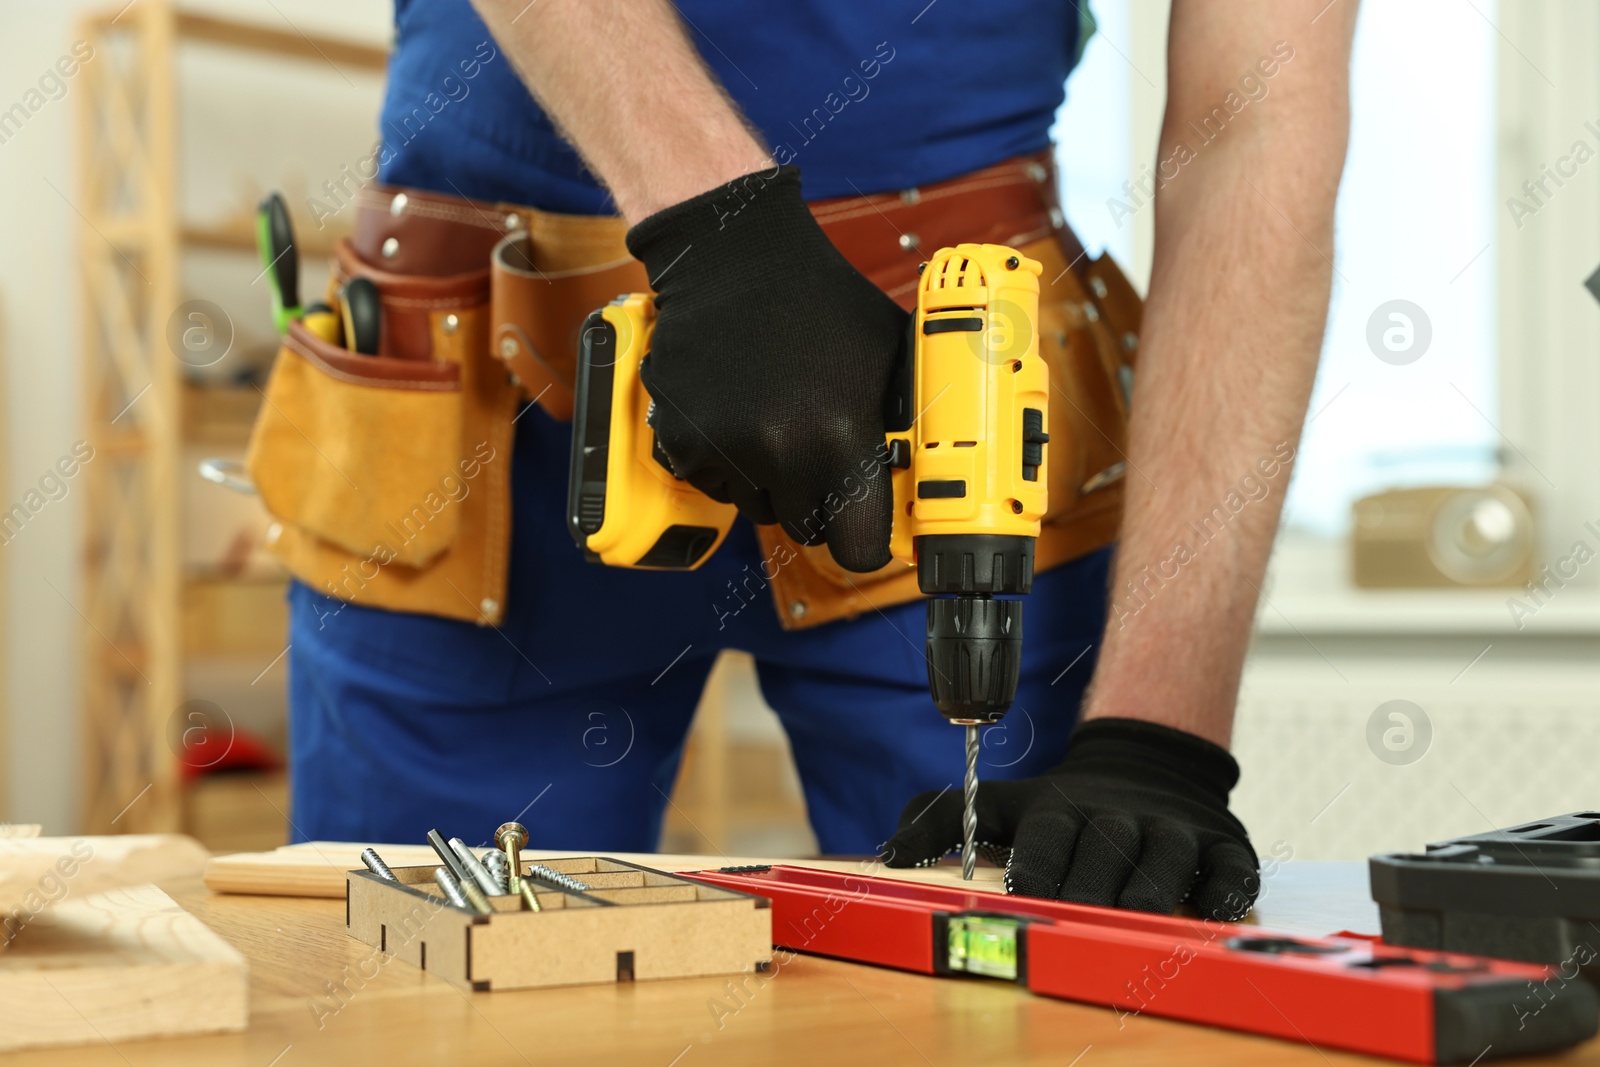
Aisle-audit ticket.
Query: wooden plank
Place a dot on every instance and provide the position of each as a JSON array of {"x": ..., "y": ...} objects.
[
  {"x": 317, "y": 869},
  {"x": 339, "y": 52},
  {"x": 127, "y": 963},
  {"x": 41, "y": 872}
]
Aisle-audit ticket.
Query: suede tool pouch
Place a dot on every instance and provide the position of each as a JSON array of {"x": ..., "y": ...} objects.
[{"x": 347, "y": 446}]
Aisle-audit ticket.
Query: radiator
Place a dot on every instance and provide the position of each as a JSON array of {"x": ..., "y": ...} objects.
[{"x": 1514, "y": 738}]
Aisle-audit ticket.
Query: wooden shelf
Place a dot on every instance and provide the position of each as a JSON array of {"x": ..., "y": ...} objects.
[
  {"x": 224, "y": 616},
  {"x": 144, "y": 616},
  {"x": 240, "y": 236},
  {"x": 217, "y": 415}
]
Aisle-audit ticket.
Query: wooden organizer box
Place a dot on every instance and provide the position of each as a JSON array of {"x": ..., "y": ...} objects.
[{"x": 632, "y": 923}]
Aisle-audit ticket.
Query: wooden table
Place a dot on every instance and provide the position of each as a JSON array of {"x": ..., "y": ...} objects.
[{"x": 317, "y": 996}]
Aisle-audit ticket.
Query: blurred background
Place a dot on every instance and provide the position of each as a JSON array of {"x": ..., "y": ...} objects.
[{"x": 1425, "y": 661}]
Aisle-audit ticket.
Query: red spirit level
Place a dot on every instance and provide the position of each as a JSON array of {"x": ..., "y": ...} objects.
[{"x": 1346, "y": 992}]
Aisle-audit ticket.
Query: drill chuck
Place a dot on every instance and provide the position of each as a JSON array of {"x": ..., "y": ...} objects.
[
  {"x": 974, "y": 641},
  {"x": 974, "y": 656}
]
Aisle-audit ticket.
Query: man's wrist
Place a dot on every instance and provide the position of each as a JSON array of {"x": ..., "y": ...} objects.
[{"x": 674, "y": 177}]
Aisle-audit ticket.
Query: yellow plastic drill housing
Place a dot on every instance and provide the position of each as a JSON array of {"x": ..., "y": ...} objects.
[
  {"x": 965, "y": 423},
  {"x": 980, "y": 397},
  {"x": 625, "y": 506}
]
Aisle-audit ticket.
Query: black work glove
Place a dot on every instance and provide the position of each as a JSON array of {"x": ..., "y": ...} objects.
[
  {"x": 769, "y": 364},
  {"x": 1135, "y": 817}
]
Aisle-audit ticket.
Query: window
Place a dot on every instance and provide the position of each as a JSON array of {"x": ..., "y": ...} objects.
[{"x": 1407, "y": 393}]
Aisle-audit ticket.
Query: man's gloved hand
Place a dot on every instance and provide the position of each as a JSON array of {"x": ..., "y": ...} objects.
[
  {"x": 769, "y": 365},
  {"x": 1135, "y": 817}
]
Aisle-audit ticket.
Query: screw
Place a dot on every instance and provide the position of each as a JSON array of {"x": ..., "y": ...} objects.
[
  {"x": 448, "y": 857},
  {"x": 476, "y": 870},
  {"x": 476, "y": 899},
  {"x": 457, "y": 892},
  {"x": 556, "y": 878},
  {"x": 494, "y": 861},
  {"x": 376, "y": 865},
  {"x": 529, "y": 897},
  {"x": 511, "y": 836}
]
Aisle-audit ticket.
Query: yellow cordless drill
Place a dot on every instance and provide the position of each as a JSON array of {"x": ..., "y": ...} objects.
[{"x": 965, "y": 434}]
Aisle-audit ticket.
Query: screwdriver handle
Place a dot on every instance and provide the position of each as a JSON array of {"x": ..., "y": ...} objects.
[
  {"x": 279, "y": 259},
  {"x": 363, "y": 316}
]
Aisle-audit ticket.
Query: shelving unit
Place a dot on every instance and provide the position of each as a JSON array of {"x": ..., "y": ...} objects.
[{"x": 144, "y": 615}]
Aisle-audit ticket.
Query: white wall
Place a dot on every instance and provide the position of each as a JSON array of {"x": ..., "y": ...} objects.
[{"x": 40, "y": 755}]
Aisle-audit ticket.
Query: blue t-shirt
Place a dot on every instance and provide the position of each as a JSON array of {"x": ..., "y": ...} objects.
[{"x": 863, "y": 95}]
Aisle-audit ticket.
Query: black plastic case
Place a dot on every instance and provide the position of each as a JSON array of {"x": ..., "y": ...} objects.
[{"x": 1529, "y": 892}]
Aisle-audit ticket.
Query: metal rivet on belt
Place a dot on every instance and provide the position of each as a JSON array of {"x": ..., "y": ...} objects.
[
  {"x": 1091, "y": 312},
  {"x": 451, "y": 322},
  {"x": 1057, "y": 219},
  {"x": 910, "y": 196},
  {"x": 513, "y": 222},
  {"x": 1037, "y": 171},
  {"x": 1099, "y": 287},
  {"x": 508, "y": 347},
  {"x": 488, "y": 605},
  {"x": 797, "y": 608},
  {"x": 1130, "y": 340},
  {"x": 908, "y": 241},
  {"x": 391, "y": 247},
  {"x": 397, "y": 206}
]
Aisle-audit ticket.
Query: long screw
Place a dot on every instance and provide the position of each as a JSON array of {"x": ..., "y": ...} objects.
[
  {"x": 376, "y": 865},
  {"x": 511, "y": 836},
  {"x": 447, "y": 856},
  {"x": 456, "y": 892},
  {"x": 476, "y": 869},
  {"x": 476, "y": 898},
  {"x": 969, "y": 817},
  {"x": 556, "y": 878}
]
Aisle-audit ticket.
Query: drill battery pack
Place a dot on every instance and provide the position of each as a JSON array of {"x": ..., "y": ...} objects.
[{"x": 1529, "y": 892}]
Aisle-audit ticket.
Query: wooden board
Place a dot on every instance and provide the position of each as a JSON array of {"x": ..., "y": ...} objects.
[
  {"x": 317, "y": 868},
  {"x": 39, "y": 872},
  {"x": 653, "y": 926},
  {"x": 126, "y": 963}
]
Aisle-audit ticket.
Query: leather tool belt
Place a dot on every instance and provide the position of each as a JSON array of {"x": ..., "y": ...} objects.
[{"x": 389, "y": 476}]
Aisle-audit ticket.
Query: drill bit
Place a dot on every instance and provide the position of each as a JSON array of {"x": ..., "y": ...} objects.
[{"x": 969, "y": 816}]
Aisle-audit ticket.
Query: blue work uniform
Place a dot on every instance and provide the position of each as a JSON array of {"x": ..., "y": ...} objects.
[{"x": 572, "y": 715}]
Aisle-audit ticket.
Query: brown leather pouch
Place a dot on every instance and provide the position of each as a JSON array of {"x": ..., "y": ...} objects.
[
  {"x": 542, "y": 293},
  {"x": 389, "y": 475}
]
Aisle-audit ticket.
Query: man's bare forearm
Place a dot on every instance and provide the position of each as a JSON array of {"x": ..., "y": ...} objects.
[
  {"x": 626, "y": 86},
  {"x": 1232, "y": 330}
]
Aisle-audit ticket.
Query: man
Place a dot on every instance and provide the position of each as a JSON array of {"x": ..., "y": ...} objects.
[{"x": 771, "y": 353}]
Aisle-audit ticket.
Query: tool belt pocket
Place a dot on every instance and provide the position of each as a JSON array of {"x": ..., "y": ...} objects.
[
  {"x": 544, "y": 283},
  {"x": 353, "y": 448}
]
